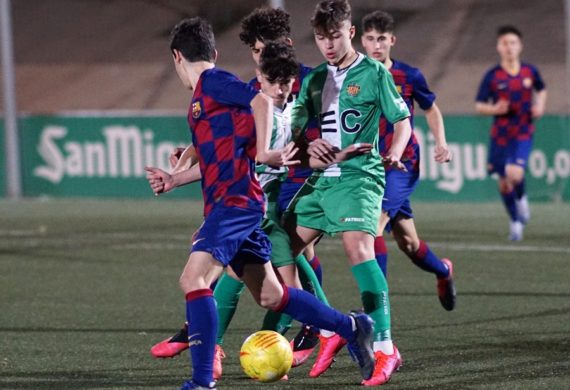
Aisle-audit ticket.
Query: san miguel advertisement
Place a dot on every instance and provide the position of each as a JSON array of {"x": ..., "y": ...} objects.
[{"x": 94, "y": 156}]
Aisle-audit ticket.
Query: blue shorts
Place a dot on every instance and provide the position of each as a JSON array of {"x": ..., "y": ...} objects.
[
  {"x": 233, "y": 236},
  {"x": 287, "y": 192},
  {"x": 399, "y": 187},
  {"x": 514, "y": 153}
]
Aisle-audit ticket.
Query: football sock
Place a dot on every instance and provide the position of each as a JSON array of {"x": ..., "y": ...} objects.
[
  {"x": 510, "y": 205},
  {"x": 306, "y": 308},
  {"x": 425, "y": 259},
  {"x": 227, "y": 293},
  {"x": 309, "y": 279},
  {"x": 520, "y": 189},
  {"x": 374, "y": 295},
  {"x": 202, "y": 324},
  {"x": 279, "y": 322},
  {"x": 381, "y": 254},
  {"x": 316, "y": 266}
]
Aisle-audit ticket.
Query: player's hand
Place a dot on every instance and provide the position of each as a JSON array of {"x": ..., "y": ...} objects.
[
  {"x": 280, "y": 157},
  {"x": 356, "y": 149},
  {"x": 536, "y": 111},
  {"x": 501, "y": 107},
  {"x": 394, "y": 162},
  {"x": 159, "y": 180},
  {"x": 442, "y": 154},
  {"x": 322, "y": 150},
  {"x": 175, "y": 156}
]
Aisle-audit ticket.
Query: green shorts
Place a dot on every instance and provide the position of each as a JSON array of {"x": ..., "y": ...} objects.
[
  {"x": 281, "y": 254},
  {"x": 340, "y": 204}
]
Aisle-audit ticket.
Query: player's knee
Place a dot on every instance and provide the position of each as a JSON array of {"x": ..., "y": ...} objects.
[
  {"x": 408, "y": 245},
  {"x": 270, "y": 298}
]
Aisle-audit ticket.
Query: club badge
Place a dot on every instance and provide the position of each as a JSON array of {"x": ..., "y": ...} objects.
[
  {"x": 196, "y": 110},
  {"x": 353, "y": 89}
]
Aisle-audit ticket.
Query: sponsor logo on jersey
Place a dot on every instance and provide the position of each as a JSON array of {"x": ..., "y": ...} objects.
[
  {"x": 502, "y": 86},
  {"x": 196, "y": 110},
  {"x": 353, "y": 89},
  {"x": 527, "y": 82}
]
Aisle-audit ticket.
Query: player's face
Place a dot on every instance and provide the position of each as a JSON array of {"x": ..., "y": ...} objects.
[
  {"x": 377, "y": 44},
  {"x": 256, "y": 50},
  {"x": 509, "y": 47},
  {"x": 335, "y": 44},
  {"x": 279, "y": 91}
]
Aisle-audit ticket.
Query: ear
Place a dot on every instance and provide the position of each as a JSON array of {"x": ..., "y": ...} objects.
[
  {"x": 215, "y": 56},
  {"x": 289, "y": 41},
  {"x": 258, "y": 74},
  {"x": 352, "y": 31},
  {"x": 177, "y": 56},
  {"x": 393, "y": 40}
]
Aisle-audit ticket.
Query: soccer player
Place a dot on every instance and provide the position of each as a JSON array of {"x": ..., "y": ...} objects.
[
  {"x": 378, "y": 39},
  {"x": 347, "y": 94},
  {"x": 506, "y": 93},
  {"x": 261, "y": 26},
  {"x": 231, "y": 126}
]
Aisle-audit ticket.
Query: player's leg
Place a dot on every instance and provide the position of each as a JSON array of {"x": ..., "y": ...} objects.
[
  {"x": 314, "y": 262},
  {"x": 380, "y": 250},
  {"x": 515, "y": 172},
  {"x": 406, "y": 236},
  {"x": 199, "y": 273},
  {"x": 304, "y": 307}
]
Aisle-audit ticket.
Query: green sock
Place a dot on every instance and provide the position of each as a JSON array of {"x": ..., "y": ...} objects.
[
  {"x": 309, "y": 279},
  {"x": 374, "y": 294},
  {"x": 226, "y": 293},
  {"x": 279, "y": 322}
]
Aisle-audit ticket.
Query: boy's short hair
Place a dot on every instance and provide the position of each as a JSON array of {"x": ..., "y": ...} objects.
[
  {"x": 278, "y": 62},
  {"x": 380, "y": 21},
  {"x": 265, "y": 24},
  {"x": 329, "y": 15},
  {"x": 194, "y": 38},
  {"x": 508, "y": 29}
]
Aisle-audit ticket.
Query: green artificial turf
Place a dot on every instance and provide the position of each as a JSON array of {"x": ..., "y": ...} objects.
[{"x": 87, "y": 286}]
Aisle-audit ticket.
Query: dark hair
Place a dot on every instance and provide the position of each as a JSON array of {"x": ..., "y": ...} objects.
[
  {"x": 194, "y": 38},
  {"x": 278, "y": 62},
  {"x": 329, "y": 15},
  {"x": 508, "y": 29},
  {"x": 265, "y": 24},
  {"x": 380, "y": 21}
]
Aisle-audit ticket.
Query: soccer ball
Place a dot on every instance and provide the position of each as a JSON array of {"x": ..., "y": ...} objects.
[{"x": 266, "y": 356}]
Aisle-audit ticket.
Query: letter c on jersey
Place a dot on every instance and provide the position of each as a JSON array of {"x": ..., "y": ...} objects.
[{"x": 343, "y": 121}]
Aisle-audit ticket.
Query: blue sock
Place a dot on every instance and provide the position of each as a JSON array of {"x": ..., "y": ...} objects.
[
  {"x": 316, "y": 266},
  {"x": 381, "y": 254},
  {"x": 428, "y": 261},
  {"x": 510, "y": 205},
  {"x": 520, "y": 189},
  {"x": 202, "y": 320},
  {"x": 307, "y": 309}
]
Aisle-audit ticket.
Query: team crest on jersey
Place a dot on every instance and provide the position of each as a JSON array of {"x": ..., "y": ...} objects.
[
  {"x": 527, "y": 82},
  {"x": 196, "y": 110},
  {"x": 353, "y": 89}
]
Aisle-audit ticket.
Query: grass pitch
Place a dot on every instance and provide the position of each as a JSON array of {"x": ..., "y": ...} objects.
[{"x": 86, "y": 287}]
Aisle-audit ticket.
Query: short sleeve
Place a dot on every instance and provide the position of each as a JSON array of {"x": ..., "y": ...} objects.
[
  {"x": 538, "y": 82},
  {"x": 393, "y": 106},
  {"x": 484, "y": 93},
  {"x": 421, "y": 92},
  {"x": 228, "y": 89}
]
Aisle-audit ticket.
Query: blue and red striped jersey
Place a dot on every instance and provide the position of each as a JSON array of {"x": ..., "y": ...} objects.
[
  {"x": 297, "y": 173},
  {"x": 499, "y": 84},
  {"x": 223, "y": 132},
  {"x": 412, "y": 86}
]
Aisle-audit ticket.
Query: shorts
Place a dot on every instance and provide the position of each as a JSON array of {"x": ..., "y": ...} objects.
[
  {"x": 288, "y": 191},
  {"x": 339, "y": 204},
  {"x": 233, "y": 236},
  {"x": 281, "y": 254},
  {"x": 514, "y": 153},
  {"x": 399, "y": 188}
]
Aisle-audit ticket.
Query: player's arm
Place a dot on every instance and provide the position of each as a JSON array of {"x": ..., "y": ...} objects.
[
  {"x": 484, "y": 95},
  {"x": 539, "y": 104},
  {"x": 435, "y": 123},
  {"x": 161, "y": 181},
  {"x": 262, "y": 107},
  {"x": 396, "y": 111}
]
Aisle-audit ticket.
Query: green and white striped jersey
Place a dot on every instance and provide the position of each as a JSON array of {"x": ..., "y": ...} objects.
[
  {"x": 347, "y": 104},
  {"x": 280, "y": 137}
]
